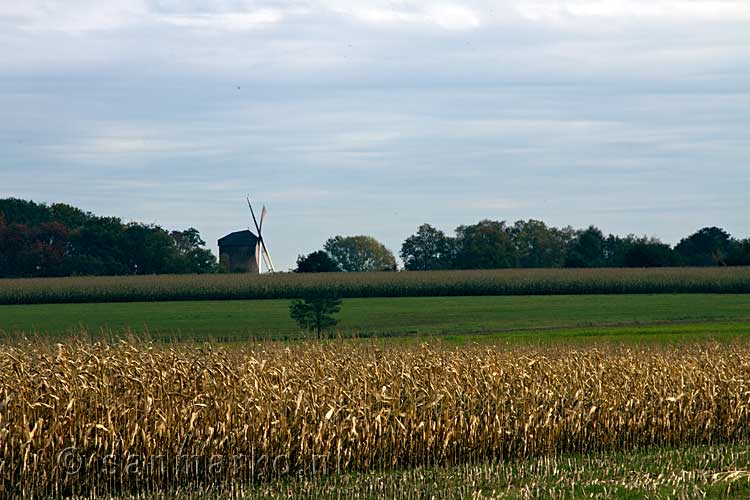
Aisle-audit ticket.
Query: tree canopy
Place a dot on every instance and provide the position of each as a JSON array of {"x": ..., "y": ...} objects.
[
  {"x": 316, "y": 262},
  {"x": 61, "y": 240},
  {"x": 710, "y": 246},
  {"x": 315, "y": 313},
  {"x": 587, "y": 249},
  {"x": 537, "y": 245},
  {"x": 360, "y": 254},
  {"x": 495, "y": 244},
  {"x": 430, "y": 248},
  {"x": 485, "y": 245}
]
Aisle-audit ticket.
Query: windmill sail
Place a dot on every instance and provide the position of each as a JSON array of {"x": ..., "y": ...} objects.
[
  {"x": 267, "y": 258},
  {"x": 266, "y": 254},
  {"x": 261, "y": 249},
  {"x": 257, "y": 256}
]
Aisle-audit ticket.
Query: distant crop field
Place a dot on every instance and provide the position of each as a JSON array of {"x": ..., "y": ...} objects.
[
  {"x": 83, "y": 417},
  {"x": 349, "y": 285}
]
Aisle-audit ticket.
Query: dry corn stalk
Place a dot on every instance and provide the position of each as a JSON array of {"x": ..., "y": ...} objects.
[{"x": 273, "y": 409}]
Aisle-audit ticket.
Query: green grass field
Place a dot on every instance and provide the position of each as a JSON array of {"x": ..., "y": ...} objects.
[{"x": 525, "y": 318}]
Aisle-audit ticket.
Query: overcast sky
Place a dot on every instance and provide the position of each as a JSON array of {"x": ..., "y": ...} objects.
[{"x": 372, "y": 117}]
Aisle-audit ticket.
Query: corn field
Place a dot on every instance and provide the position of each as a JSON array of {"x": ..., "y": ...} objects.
[
  {"x": 350, "y": 285},
  {"x": 97, "y": 418}
]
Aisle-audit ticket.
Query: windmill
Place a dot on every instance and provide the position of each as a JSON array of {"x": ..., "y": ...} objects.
[{"x": 260, "y": 249}]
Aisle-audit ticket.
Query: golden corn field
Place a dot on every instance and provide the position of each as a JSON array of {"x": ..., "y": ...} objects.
[
  {"x": 385, "y": 284},
  {"x": 94, "y": 418}
]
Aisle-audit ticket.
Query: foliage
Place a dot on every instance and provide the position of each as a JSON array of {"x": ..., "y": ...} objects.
[
  {"x": 491, "y": 244},
  {"x": 344, "y": 407},
  {"x": 360, "y": 254},
  {"x": 708, "y": 247},
  {"x": 38, "y": 240},
  {"x": 315, "y": 313},
  {"x": 194, "y": 258},
  {"x": 316, "y": 262},
  {"x": 537, "y": 245},
  {"x": 60, "y": 240},
  {"x": 740, "y": 255},
  {"x": 486, "y": 245},
  {"x": 529, "y": 244},
  {"x": 429, "y": 249},
  {"x": 587, "y": 250},
  {"x": 349, "y": 285},
  {"x": 649, "y": 254}
]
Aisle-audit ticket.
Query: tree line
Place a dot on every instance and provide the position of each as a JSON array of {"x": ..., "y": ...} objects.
[
  {"x": 491, "y": 244},
  {"x": 60, "y": 240}
]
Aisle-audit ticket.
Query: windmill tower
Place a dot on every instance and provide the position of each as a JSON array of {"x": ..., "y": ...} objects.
[
  {"x": 261, "y": 250},
  {"x": 242, "y": 251}
]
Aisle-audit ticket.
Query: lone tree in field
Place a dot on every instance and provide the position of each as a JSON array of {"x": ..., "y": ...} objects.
[{"x": 315, "y": 313}]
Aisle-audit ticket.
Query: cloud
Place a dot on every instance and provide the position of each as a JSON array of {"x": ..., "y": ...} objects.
[
  {"x": 133, "y": 143},
  {"x": 495, "y": 204},
  {"x": 375, "y": 116},
  {"x": 82, "y": 16},
  {"x": 237, "y": 21},
  {"x": 692, "y": 9},
  {"x": 570, "y": 12},
  {"x": 72, "y": 16},
  {"x": 341, "y": 41},
  {"x": 447, "y": 16}
]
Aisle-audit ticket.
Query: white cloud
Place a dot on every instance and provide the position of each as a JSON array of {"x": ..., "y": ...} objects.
[
  {"x": 570, "y": 10},
  {"x": 72, "y": 16},
  {"x": 447, "y": 16},
  {"x": 122, "y": 143},
  {"x": 235, "y": 21},
  {"x": 82, "y": 16},
  {"x": 453, "y": 17},
  {"x": 346, "y": 38}
]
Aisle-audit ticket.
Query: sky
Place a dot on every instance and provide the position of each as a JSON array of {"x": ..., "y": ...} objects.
[{"x": 373, "y": 117}]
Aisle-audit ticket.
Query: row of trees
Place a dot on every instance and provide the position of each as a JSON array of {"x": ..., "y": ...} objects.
[
  {"x": 494, "y": 244},
  {"x": 61, "y": 240}
]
